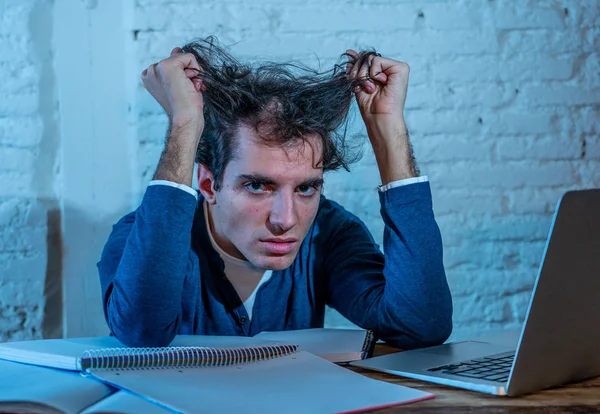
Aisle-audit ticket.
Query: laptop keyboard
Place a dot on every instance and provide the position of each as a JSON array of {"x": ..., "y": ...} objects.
[{"x": 491, "y": 368}]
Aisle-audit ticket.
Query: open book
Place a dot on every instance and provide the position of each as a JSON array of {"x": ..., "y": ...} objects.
[
  {"x": 239, "y": 374},
  {"x": 33, "y": 389}
]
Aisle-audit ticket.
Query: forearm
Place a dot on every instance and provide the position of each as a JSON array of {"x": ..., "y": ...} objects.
[
  {"x": 393, "y": 151},
  {"x": 144, "y": 266},
  {"x": 404, "y": 296},
  {"x": 176, "y": 162},
  {"x": 416, "y": 293}
]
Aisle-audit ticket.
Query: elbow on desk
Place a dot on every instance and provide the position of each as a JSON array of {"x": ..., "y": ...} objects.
[
  {"x": 434, "y": 334},
  {"x": 140, "y": 334},
  {"x": 420, "y": 332},
  {"x": 142, "y": 338},
  {"x": 420, "y": 337}
]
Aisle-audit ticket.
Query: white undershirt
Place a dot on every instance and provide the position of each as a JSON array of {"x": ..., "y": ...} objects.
[{"x": 245, "y": 278}]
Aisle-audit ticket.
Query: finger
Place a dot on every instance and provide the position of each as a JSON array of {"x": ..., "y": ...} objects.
[
  {"x": 176, "y": 51},
  {"x": 354, "y": 71},
  {"x": 196, "y": 80},
  {"x": 190, "y": 73},
  {"x": 148, "y": 71},
  {"x": 189, "y": 61},
  {"x": 367, "y": 85},
  {"x": 199, "y": 85},
  {"x": 349, "y": 65},
  {"x": 383, "y": 68}
]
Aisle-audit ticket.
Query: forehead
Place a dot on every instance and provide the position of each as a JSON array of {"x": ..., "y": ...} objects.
[{"x": 297, "y": 161}]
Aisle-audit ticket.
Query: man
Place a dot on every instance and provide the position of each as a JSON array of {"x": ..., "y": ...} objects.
[{"x": 259, "y": 248}]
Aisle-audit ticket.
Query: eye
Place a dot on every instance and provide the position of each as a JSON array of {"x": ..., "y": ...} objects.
[
  {"x": 306, "y": 190},
  {"x": 256, "y": 187}
]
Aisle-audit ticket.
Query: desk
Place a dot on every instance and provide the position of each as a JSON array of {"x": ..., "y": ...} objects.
[{"x": 581, "y": 397}]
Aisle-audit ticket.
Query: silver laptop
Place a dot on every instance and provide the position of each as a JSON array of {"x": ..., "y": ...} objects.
[{"x": 560, "y": 339}]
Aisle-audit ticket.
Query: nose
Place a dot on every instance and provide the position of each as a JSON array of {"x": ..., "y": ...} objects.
[{"x": 283, "y": 213}]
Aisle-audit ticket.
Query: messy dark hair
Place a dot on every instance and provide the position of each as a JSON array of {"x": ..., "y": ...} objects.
[{"x": 283, "y": 102}]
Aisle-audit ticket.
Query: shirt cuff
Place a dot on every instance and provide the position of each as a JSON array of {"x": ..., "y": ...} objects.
[
  {"x": 400, "y": 183},
  {"x": 183, "y": 187}
]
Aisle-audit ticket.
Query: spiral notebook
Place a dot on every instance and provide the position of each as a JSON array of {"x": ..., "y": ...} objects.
[
  {"x": 335, "y": 345},
  {"x": 258, "y": 377}
]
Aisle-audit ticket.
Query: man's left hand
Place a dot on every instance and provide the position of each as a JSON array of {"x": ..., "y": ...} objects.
[{"x": 381, "y": 93}]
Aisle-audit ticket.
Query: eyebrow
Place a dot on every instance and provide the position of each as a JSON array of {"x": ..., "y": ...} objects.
[{"x": 262, "y": 179}]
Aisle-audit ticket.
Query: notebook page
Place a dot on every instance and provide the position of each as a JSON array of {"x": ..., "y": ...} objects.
[
  {"x": 29, "y": 387},
  {"x": 54, "y": 353},
  {"x": 336, "y": 345},
  {"x": 297, "y": 383},
  {"x": 64, "y": 353},
  {"x": 123, "y": 402}
]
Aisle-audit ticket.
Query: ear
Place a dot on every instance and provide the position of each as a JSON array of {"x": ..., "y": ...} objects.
[{"x": 206, "y": 184}]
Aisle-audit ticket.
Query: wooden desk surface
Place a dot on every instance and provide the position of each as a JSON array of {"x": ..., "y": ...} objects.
[{"x": 581, "y": 397}]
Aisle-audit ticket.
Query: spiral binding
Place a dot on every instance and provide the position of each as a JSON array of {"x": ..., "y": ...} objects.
[{"x": 178, "y": 357}]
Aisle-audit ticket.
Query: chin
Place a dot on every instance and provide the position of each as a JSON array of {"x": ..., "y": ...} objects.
[{"x": 274, "y": 262}]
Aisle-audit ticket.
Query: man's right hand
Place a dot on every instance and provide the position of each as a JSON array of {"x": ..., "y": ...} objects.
[{"x": 176, "y": 85}]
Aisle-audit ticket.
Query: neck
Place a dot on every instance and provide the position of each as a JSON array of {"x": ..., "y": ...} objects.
[{"x": 217, "y": 233}]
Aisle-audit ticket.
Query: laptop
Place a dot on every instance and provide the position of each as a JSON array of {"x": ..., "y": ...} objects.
[{"x": 560, "y": 338}]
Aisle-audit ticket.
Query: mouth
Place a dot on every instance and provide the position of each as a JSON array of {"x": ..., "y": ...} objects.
[{"x": 279, "y": 245}]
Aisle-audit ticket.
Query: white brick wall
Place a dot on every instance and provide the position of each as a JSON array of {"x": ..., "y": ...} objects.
[
  {"x": 23, "y": 222},
  {"x": 503, "y": 107}
]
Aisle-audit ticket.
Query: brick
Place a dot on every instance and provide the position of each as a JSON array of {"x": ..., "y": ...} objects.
[
  {"x": 494, "y": 255},
  {"x": 153, "y": 129},
  {"x": 438, "y": 43},
  {"x": 177, "y": 18},
  {"x": 453, "y": 15},
  {"x": 539, "y": 148},
  {"x": 507, "y": 175},
  {"x": 561, "y": 95},
  {"x": 585, "y": 14},
  {"x": 540, "y": 41},
  {"x": 19, "y": 323},
  {"x": 489, "y": 283},
  {"x": 505, "y": 228},
  {"x": 12, "y": 48},
  {"x": 539, "y": 67},
  {"x": 461, "y": 69},
  {"x": 590, "y": 174},
  {"x": 18, "y": 104},
  {"x": 490, "y": 94},
  {"x": 16, "y": 159},
  {"x": 587, "y": 119},
  {"x": 517, "y": 15},
  {"x": 14, "y": 19},
  {"x": 511, "y": 123},
  {"x": 448, "y": 202},
  {"x": 21, "y": 80},
  {"x": 146, "y": 105},
  {"x": 592, "y": 147},
  {"x": 535, "y": 200},
  {"x": 25, "y": 241},
  {"x": 519, "y": 304},
  {"x": 442, "y": 148},
  {"x": 16, "y": 183},
  {"x": 20, "y": 132},
  {"x": 427, "y": 122},
  {"x": 22, "y": 291},
  {"x": 488, "y": 310},
  {"x": 366, "y": 16}
]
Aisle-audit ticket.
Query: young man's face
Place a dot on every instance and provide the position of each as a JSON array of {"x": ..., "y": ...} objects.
[{"x": 268, "y": 200}]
